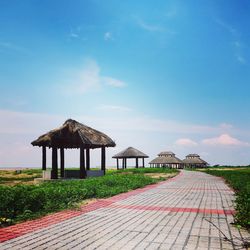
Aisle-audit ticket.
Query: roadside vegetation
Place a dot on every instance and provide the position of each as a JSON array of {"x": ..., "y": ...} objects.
[
  {"x": 22, "y": 202},
  {"x": 239, "y": 179}
]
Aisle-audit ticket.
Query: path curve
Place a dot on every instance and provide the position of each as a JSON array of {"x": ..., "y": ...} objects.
[{"x": 181, "y": 213}]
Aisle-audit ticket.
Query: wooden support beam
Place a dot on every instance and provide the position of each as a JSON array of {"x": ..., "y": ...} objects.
[
  {"x": 54, "y": 172},
  {"x": 87, "y": 159},
  {"x": 103, "y": 160},
  {"x": 125, "y": 163},
  {"x": 82, "y": 164},
  {"x": 143, "y": 163},
  {"x": 62, "y": 162},
  {"x": 117, "y": 163},
  {"x": 123, "y": 166},
  {"x": 136, "y": 162},
  {"x": 44, "y": 158}
]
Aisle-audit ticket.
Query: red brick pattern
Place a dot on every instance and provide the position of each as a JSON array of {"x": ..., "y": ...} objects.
[
  {"x": 30, "y": 226},
  {"x": 175, "y": 209}
]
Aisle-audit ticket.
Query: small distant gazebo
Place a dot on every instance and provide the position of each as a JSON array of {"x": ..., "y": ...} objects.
[
  {"x": 194, "y": 161},
  {"x": 73, "y": 134},
  {"x": 166, "y": 159},
  {"x": 130, "y": 153}
]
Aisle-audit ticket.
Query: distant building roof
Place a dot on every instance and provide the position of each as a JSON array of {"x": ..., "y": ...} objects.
[
  {"x": 166, "y": 157},
  {"x": 166, "y": 153},
  {"x": 193, "y": 159},
  {"x": 192, "y": 155},
  {"x": 130, "y": 152}
]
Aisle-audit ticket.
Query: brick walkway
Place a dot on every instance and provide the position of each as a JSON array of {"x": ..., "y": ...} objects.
[{"x": 171, "y": 215}]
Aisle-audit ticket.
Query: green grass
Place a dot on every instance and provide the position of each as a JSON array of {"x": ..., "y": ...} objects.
[
  {"x": 143, "y": 170},
  {"x": 239, "y": 180},
  {"x": 226, "y": 166},
  {"x": 22, "y": 202}
]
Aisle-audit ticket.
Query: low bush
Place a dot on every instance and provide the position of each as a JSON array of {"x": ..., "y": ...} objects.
[
  {"x": 21, "y": 202},
  {"x": 147, "y": 170}
]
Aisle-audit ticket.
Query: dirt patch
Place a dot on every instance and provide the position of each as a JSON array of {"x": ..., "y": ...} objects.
[
  {"x": 229, "y": 169},
  {"x": 126, "y": 173},
  {"x": 160, "y": 175},
  {"x": 221, "y": 169},
  {"x": 14, "y": 177}
]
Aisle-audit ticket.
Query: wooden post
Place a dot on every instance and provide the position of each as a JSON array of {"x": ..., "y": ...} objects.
[
  {"x": 62, "y": 162},
  {"x": 44, "y": 158},
  {"x": 117, "y": 163},
  {"x": 125, "y": 163},
  {"x": 82, "y": 164},
  {"x": 143, "y": 163},
  {"x": 103, "y": 161},
  {"x": 136, "y": 162},
  {"x": 87, "y": 159},
  {"x": 54, "y": 172}
]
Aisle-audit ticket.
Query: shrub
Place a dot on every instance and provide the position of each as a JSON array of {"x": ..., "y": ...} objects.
[{"x": 21, "y": 202}]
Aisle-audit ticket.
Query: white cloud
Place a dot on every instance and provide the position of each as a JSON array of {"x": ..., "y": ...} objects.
[
  {"x": 237, "y": 44},
  {"x": 239, "y": 49},
  {"x": 18, "y": 129},
  {"x": 171, "y": 13},
  {"x": 73, "y": 35},
  {"x": 150, "y": 27},
  {"x": 89, "y": 79},
  {"x": 226, "y": 26},
  {"x": 30, "y": 123},
  {"x": 226, "y": 126},
  {"x": 27, "y": 123},
  {"x": 7, "y": 46},
  {"x": 113, "y": 82},
  {"x": 186, "y": 142},
  {"x": 75, "y": 32},
  {"x": 114, "y": 108},
  {"x": 225, "y": 140},
  {"x": 108, "y": 36},
  {"x": 240, "y": 59}
]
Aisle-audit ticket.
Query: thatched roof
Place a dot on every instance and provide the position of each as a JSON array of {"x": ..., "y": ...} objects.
[
  {"x": 166, "y": 157},
  {"x": 194, "y": 159},
  {"x": 166, "y": 160},
  {"x": 73, "y": 134},
  {"x": 130, "y": 152},
  {"x": 192, "y": 155},
  {"x": 166, "y": 153}
]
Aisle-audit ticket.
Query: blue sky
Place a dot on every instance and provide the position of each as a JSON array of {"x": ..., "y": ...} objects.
[{"x": 156, "y": 75}]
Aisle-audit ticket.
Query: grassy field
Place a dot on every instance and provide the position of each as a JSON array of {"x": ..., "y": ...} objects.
[
  {"x": 20, "y": 202},
  {"x": 14, "y": 177},
  {"x": 239, "y": 179}
]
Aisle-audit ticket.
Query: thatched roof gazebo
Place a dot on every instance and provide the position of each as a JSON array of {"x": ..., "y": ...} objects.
[
  {"x": 166, "y": 159},
  {"x": 130, "y": 153},
  {"x": 194, "y": 161},
  {"x": 73, "y": 134}
]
